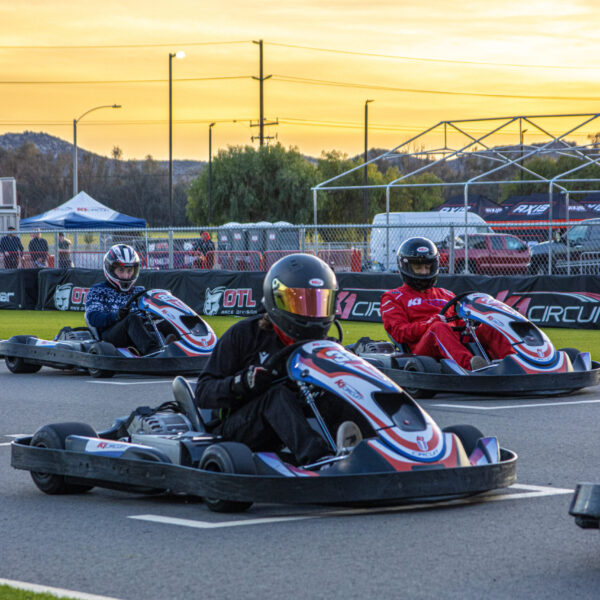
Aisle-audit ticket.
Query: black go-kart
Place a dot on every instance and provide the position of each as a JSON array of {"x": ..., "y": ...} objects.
[
  {"x": 191, "y": 343},
  {"x": 585, "y": 505},
  {"x": 536, "y": 367},
  {"x": 401, "y": 454}
]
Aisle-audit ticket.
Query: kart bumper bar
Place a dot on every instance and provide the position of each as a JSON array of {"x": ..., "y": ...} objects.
[
  {"x": 361, "y": 489},
  {"x": 64, "y": 357}
]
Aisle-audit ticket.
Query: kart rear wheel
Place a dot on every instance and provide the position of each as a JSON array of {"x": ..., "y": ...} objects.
[
  {"x": 16, "y": 364},
  {"x": 469, "y": 435},
  {"x": 101, "y": 349},
  {"x": 421, "y": 364},
  {"x": 54, "y": 436},
  {"x": 572, "y": 353},
  {"x": 228, "y": 457}
]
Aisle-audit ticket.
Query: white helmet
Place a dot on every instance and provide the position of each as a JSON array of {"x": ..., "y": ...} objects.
[{"x": 121, "y": 255}]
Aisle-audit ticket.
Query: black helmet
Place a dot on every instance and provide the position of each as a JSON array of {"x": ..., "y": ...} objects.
[
  {"x": 121, "y": 255},
  {"x": 300, "y": 296},
  {"x": 418, "y": 251}
]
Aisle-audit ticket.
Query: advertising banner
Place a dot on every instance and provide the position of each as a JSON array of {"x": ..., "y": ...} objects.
[{"x": 548, "y": 301}]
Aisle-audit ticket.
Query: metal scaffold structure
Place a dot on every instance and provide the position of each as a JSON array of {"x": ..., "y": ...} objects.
[{"x": 496, "y": 146}]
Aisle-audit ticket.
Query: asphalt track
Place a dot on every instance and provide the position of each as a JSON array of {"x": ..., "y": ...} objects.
[{"x": 517, "y": 543}]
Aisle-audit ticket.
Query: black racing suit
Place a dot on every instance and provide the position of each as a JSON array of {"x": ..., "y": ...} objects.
[{"x": 267, "y": 421}]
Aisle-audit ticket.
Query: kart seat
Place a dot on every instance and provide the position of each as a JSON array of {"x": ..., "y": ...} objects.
[
  {"x": 92, "y": 329},
  {"x": 182, "y": 392}
]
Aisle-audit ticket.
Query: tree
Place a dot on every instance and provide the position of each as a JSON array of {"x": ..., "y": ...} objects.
[{"x": 248, "y": 185}]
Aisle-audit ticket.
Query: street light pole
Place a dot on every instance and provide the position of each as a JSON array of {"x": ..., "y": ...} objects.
[
  {"x": 75, "y": 121},
  {"x": 365, "y": 178},
  {"x": 210, "y": 173},
  {"x": 179, "y": 54}
]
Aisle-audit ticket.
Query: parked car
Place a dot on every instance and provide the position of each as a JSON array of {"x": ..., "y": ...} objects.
[
  {"x": 488, "y": 254},
  {"x": 577, "y": 252}
]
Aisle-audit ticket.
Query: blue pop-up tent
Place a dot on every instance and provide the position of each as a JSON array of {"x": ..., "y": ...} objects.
[{"x": 82, "y": 212}]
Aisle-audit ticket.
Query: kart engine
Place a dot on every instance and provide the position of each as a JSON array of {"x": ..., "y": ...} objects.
[{"x": 160, "y": 423}]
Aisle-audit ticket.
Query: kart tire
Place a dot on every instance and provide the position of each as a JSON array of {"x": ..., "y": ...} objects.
[
  {"x": 467, "y": 434},
  {"x": 421, "y": 364},
  {"x": 572, "y": 353},
  {"x": 54, "y": 436},
  {"x": 17, "y": 365},
  {"x": 104, "y": 349},
  {"x": 228, "y": 457}
]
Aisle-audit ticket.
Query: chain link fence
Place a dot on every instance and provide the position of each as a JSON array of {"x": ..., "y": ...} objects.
[{"x": 505, "y": 249}]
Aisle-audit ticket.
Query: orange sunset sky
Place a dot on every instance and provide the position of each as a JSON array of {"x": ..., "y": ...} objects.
[{"x": 421, "y": 62}]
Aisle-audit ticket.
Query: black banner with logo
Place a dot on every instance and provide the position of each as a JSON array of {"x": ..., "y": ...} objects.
[
  {"x": 18, "y": 288},
  {"x": 548, "y": 301}
]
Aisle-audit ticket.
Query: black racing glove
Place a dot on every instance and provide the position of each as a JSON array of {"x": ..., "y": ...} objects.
[
  {"x": 252, "y": 381},
  {"x": 123, "y": 312}
]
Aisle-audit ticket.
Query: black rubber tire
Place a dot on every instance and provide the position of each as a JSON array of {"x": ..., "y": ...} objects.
[
  {"x": 104, "y": 349},
  {"x": 54, "y": 436},
  {"x": 572, "y": 353},
  {"x": 228, "y": 457},
  {"x": 421, "y": 364},
  {"x": 17, "y": 365},
  {"x": 467, "y": 434}
]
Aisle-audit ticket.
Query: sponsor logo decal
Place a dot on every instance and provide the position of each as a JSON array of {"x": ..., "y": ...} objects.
[
  {"x": 421, "y": 443},
  {"x": 316, "y": 282},
  {"x": 70, "y": 297},
  {"x": 423, "y": 249},
  {"x": 5, "y": 296},
  {"x": 223, "y": 301}
]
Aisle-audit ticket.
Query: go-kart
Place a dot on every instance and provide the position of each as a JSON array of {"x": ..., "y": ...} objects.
[
  {"x": 191, "y": 342},
  {"x": 585, "y": 505},
  {"x": 535, "y": 368},
  {"x": 404, "y": 455}
]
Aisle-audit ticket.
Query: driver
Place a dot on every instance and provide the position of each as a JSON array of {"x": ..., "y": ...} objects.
[
  {"x": 106, "y": 304},
  {"x": 411, "y": 313},
  {"x": 300, "y": 301}
]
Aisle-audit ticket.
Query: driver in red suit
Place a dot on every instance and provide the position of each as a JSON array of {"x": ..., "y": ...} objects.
[{"x": 411, "y": 313}]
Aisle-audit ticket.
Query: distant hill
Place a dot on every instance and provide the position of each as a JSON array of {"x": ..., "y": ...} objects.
[{"x": 49, "y": 144}]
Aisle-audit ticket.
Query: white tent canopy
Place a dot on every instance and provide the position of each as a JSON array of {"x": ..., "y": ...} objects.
[{"x": 82, "y": 212}]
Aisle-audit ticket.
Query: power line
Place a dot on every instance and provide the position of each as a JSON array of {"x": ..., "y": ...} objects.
[
  {"x": 118, "y": 81},
  {"x": 291, "y": 79},
  {"x": 120, "y": 46},
  {"x": 433, "y": 60}
]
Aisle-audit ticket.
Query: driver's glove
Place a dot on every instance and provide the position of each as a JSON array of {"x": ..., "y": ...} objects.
[
  {"x": 123, "y": 312},
  {"x": 253, "y": 380},
  {"x": 436, "y": 318}
]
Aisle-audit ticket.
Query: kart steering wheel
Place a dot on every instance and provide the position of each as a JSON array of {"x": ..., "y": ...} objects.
[
  {"x": 133, "y": 298},
  {"x": 452, "y": 303}
]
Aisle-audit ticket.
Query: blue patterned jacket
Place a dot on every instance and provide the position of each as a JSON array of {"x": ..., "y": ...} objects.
[{"x": 103, "y": 302}]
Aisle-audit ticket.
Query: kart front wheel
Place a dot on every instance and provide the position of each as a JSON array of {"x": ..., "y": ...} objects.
[
  {"x": 54, "y": 436},
  {"x": 228, "y": 457},
  {"x": 468, "y": 435},
  {"x": 16, "y": 364},
  {"x": 99, "y": 349},
  {"x": 421, "y": 364}
]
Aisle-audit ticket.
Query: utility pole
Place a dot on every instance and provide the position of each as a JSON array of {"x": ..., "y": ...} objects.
[
  {"x": 365, "y": 178},
  {"x": 261, "y": 123}
]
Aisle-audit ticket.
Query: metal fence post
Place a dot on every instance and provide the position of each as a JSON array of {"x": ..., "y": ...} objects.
[
  {"x": 451, "y": 251},
  {"x": 170, "y": 248}
]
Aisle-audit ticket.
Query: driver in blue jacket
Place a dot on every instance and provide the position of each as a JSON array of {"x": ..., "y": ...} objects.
[
  {"x": 107, "y": 307},
  {"x": 254, "y": 407}
]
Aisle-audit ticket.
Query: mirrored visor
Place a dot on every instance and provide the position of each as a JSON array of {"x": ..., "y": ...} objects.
[{"x": 307, "y": 302}]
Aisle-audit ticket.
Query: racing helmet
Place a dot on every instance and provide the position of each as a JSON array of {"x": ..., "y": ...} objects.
[
  {"x": 121, "y": 255},
  {"x": 418, "y": 251},
  {"x": 299, "y": 295}
]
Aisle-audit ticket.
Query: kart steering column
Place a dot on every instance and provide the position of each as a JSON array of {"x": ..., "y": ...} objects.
[{"x": 311, "y": 402}]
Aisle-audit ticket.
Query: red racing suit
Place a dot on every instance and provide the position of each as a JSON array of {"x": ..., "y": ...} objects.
[{"x": 412, "y": 317}]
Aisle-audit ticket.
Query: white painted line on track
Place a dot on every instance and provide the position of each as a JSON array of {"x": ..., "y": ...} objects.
[
  {"x": 46, "y": 589},
  {"x": 507, "y": 406},
  {"x": 529, "y": 491},
  {"x": 142, "y": 382}
]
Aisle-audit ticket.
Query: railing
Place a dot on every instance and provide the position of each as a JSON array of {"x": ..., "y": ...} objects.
[{"x": 514, "y": 248}]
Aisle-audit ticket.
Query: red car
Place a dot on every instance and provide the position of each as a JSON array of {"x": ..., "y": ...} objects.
[{"x": 488, "y": 254}]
